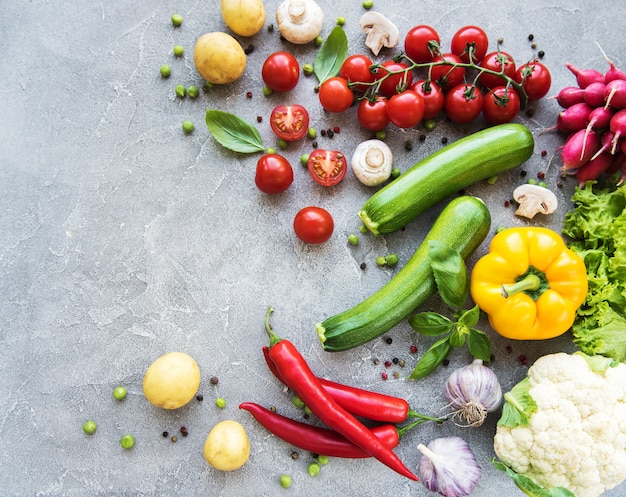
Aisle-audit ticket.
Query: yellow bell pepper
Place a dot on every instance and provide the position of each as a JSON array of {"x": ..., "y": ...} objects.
[{"x": 529, "y": 284}]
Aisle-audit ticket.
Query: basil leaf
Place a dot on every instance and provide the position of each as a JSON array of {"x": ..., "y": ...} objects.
[
  {"x": 430, "y": 323},
  {"x": 470, "y": 318},
  {"x": 518, "y": 405},
  {"x": 479, "y": 345},
  {"x": 431, "y": 359},
  {"x": 331, "y": 55},
  {"x": 450, "y": 273},
  {"x": 233, "y": 132},
  {"x": 529, "y": 486}
]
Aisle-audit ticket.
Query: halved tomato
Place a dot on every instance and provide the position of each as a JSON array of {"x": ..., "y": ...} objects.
[
  {"x": 327, "y": 167},
  {"x": 289, "y": 122}
]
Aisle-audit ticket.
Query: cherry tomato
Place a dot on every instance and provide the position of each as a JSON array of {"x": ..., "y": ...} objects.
[
  {"x": 493, "y": 61},
  {"x": 274, "y": 174},
  {"x": 535, "y": 79},
  {"x": 373, "y": 115},
  {"x": 289, "y": 122},
  {"x": 421, "y": 43},
  {"x": 327, "y": 167},
  {"x": 403, "y": 79},
  {"x": 470, "y": 36},
  {"x": 356, "y": 68},
  {"x": 464, "y": 103},
  {"x": 334, "y": 94},
  {"x": 444, "y": 74},
  {"x": 313, "y": 225},
  {"x": 432, "y": 95},
  {"x": 281, "y": 71},
  {"x": 501, "y": 105},
  {"x": 406, "y": 109}
]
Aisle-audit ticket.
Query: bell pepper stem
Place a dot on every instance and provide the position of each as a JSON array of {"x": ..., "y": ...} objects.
[{"x": 530, "y": 282}]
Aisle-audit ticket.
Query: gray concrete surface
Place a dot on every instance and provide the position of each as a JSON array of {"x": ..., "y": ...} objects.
[{"x": 122, "y": 239}]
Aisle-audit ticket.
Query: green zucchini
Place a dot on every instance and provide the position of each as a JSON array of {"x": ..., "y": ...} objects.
[
  {"x": 476, "y": 157},
  {"x": 463, "y": 225}
]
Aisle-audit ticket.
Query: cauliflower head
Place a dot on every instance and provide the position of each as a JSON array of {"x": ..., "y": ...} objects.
[{"x": 564, "y": 425}]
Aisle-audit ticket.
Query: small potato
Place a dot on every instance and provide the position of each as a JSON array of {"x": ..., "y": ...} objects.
[
  {"x": 244, "y": 17},
  {"x": 172, "y": 380},
  {"x": 219, "y": 58},
  {"x": 227, "y": 446}
]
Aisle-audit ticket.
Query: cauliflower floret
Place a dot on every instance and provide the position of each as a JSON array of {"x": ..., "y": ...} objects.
[{"x": 576, "y": 436}]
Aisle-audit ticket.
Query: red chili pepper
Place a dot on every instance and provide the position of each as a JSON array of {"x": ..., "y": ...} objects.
[
  {"x": 298, "y": 376},
  {"x": 371, "y": 405}
]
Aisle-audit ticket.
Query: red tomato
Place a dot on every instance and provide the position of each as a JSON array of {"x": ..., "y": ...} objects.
[
  {"x": 493, "y": 61},
  {"x": 373, "y": 115},
  {"x": 327, "y": 167},
  {"x": 470, "y": 36},
  {"x": 421, "y": 43},
  {"x": 464, "y": 103},
  {"x": 535, "y": 79},
  {"x": 313, "y": 225},
  {"x": 501, "y": 105},
  {"x": 403, "y": 79},
  {"x": 356, "y": 68},
  {"x": 445, "y": 75},
  {"x": 274, "y": 174},
  {"x": 281, "y": 71},
  {"x": 334, "y": 94},
  {"x": 406, "y": 109},
  {"x": 432, "y": 95},
  {"x": 289, "y": 122}
]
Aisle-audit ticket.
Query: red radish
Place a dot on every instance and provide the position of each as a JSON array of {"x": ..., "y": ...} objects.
[
  {"x": 606, "y": 141},
  {"x": 618, "y": 126},
  {"x": 600, "y": 117},
  {"x": 615, "y": 94},
  {"x": 579, "y": 148},
  {"x": 574, "y": 117},
  {"x": 594, "y": 168},
  {"x": 612, "y": 73},
  {"x": 569, "y": 96},
  {"x": 594, "y": 94},
  {"x": 616, "y": 165},
  {"x": 584, "y": 77}
]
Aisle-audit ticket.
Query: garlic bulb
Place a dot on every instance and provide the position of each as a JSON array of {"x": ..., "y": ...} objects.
[{"x": 472, "y": 392}]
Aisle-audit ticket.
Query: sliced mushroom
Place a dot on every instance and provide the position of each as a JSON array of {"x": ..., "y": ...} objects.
[
  {"x": 372, "y": 162},
  {"x": 534, "y": 199},
  {"x": 381, "y": 32},
  {"x": 299, "y": 21}
]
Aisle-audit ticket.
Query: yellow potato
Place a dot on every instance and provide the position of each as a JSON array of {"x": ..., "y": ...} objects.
[
  {"x": 172, "y": 380},
  {"x": 227, "y": 446},
  {"x": 219, "y": 58},
  {"x": 244, "y": 17}
]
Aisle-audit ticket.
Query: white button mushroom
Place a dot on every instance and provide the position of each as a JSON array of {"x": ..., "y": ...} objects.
[
  {"x": 381, "y": 32},
  {"x": 372, "y": 162},
  {"x": 299, "y": 21},
  {"x": 534, "y": 199}
]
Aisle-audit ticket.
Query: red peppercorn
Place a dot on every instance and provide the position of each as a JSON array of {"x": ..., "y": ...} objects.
[
  {"x": 384, "y": 375},
  {"x": 387, "y": 364},
  {"x": 544, "y": 153},
  {"x": 522, "y": 359},
  {"x": 413, "y": 349},
  {"x": 506, "y": 203},
  {"x": 541, "y": 175},
  {"x": 249, "y": 94},
  {"x": 336, "y": 129},
  {"x": 509, "y": 349}
]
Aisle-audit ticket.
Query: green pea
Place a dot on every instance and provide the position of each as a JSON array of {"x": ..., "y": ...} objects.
[
  {"x": 318, "y": 41},
  {"x": 271, "y": 150},
  {"x": 220, "y": 402},
  {"x": 430, "y": 124},
  {"x": 119, "y": 393},
  {"x": 177, "y": 19},
  {"x": 304, "y": 160},
  {"x": 285, "y": 481},
  {"x": 313, "y": 469},
  {"x": 532, "y": 181},
  {"x": 179, "y": 50},
  {"x": 127, "y": 442},
  {"x": 353, "y": 239},
  {"x": 381, "y": 135},
  {"x": 395, "y": 172},
  {"x": 180, "y": 91},
  {"x": 341, "y": 20},
  {"x": 391, "y": 259},
  {"x": 368, "y": 4},
  {"x": 267, "y": 91},
  {"x": 363, "y": 229},
  {"x": 208, "y": 85},
  {"x": 282, "y": 144},
  {"x": 307, "y": 69},
  {"x": 193, "y": 91},
  {"x": 89, "y": 427},
  {"x": 308, "y": 411},
  {"x": 297, "y": 401},
  {"x": 188, "y": 127},
  {"x": 381, "y": 260},
  {"x": 165, "y": 71},
  {"x": 322, "y": 459},
  {"x": 311, "y": 133}
]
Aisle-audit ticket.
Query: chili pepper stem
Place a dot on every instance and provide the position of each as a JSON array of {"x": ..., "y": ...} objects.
[
  {"x": 529, "y": 283},
  {"x": 415, "y": 414},
  {"x": 402, "y": 430},
  {"x": 274, "y": 338}
]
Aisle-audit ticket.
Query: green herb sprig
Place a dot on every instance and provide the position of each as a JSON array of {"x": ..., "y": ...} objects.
[
  {"x": 331, "y": 55},
  {"x": 452, "y": 281},
  {"x": 233, "y": 132}
]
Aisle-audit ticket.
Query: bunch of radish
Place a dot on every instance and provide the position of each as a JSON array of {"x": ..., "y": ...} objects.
[{"x": 594, "y": 120}]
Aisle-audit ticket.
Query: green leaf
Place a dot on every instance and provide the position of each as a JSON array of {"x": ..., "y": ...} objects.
[
  {"x": 470, "y": 318},
  {"x": 529, "y": 486},
  {"x": 457, "y": 337},
  {"x": 331, "y": 55},
  {"x": 233, "y": 132},
  {"x": 479, "y": 345},
  {"x": 430, "y": 323},
  {"x": 431, "y": 359},
  {"x": 518, "y": 406},
  {"x": 450, "y": 273}
]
